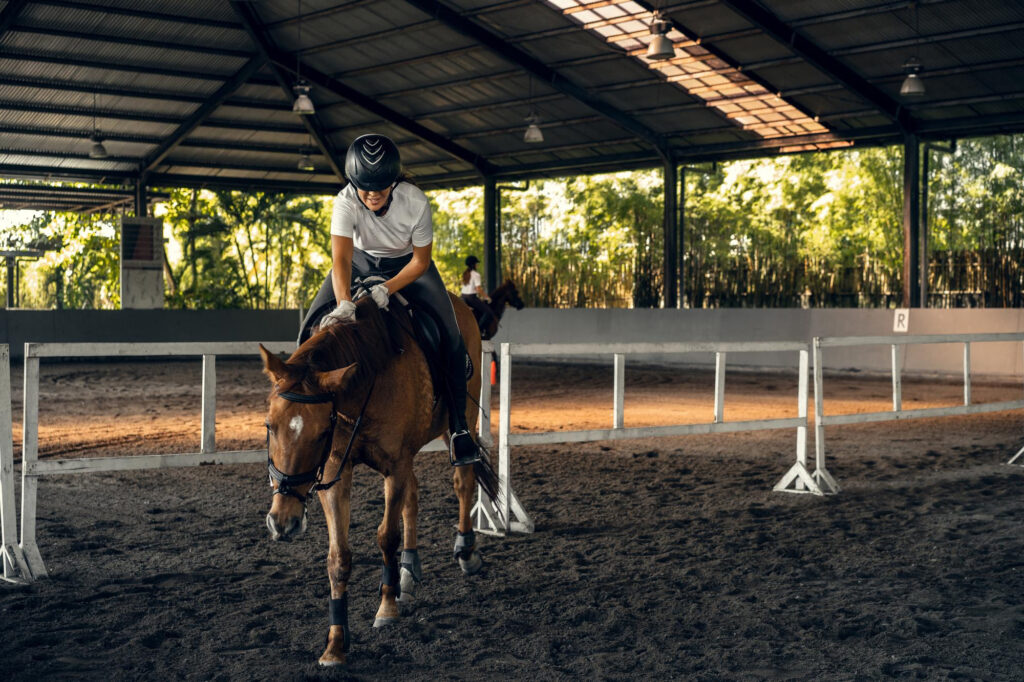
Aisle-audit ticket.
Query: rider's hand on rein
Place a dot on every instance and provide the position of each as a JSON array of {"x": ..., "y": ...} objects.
[
  {"x": 346, "y": 310},
  {"x": 381, "y": 295}
]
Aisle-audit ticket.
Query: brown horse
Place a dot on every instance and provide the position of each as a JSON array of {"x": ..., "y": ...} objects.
[
  {"x": 361, "y": 392},
  {"x": 503, "y": 296}
]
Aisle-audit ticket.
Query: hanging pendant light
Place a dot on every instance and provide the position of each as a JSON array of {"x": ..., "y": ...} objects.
[
  {"x": 660, "y": 47},
  {"x": 302, "y": 105},
  {"x": 97, "y": 151},
  {"x": 305, "y": 162},
  {"x": 533, "y": 132},
  {"x": 913, "y": 84}
]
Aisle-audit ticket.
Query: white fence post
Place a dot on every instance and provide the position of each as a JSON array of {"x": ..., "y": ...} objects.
[
  {"x": 619, "y": 391},
  {"x": 719, "y": 388},
  {"x": 15, "y": 568},
  {"x": 209, "y": 423},
  {"x": 967, "y": 373},
  {"x": 29, "y": 457}
]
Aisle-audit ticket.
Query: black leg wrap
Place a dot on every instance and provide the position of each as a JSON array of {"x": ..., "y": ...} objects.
[
  {"x": 339, "y": 616},
  {"x": 411, "y": 562},
  {"x": 391, "y": 580},
  {"x": 464, "y": 542}
]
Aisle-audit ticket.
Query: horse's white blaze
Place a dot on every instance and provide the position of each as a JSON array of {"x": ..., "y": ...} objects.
[{"x": 296, "y": 426}]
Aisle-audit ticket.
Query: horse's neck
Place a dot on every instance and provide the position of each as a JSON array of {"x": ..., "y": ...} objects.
[{"x": 498, "y": 302}]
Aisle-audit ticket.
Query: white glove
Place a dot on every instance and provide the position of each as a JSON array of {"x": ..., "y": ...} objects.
[
  {"x": 381, "y": 295},
  {"x": 346, "y": 310}
]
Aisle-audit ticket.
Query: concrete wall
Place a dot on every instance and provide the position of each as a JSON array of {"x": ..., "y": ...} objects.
[{"x": 541, "y": 325}]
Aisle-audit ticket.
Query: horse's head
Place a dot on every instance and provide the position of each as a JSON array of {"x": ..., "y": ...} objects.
[
  {"x": 300, "y": 432},
  {"x": 513, "y": 295}
]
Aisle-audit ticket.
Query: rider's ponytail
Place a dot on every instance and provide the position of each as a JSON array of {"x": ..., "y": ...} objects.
[{"x": 465, "y": 275}]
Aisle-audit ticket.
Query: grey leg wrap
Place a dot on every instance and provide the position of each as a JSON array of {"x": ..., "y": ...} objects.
[
  {"x": 391, "y": 580},
  {"x": 464, "y": 543},
  {"x": 411, "y": 562},
  {"x": 338, "y": 609}
]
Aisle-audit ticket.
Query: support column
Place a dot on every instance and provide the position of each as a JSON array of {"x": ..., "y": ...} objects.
[
  {"x": 681, "y": 246},
  {"x": 911, "y": 221},
  {"x": 140, "y": 197},
  {"x": 491, "y": 236},
  {"x": 670, "y": 283},
  {"x": 10, "y": 281},
  {"x": 922, "y": 230}
]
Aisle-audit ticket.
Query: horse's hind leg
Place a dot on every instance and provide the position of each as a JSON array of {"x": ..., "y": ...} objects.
[
  {"x": 388, "y": 537},
  {"x": 465, "y": 540},
  {"x": 409, "y": 567}
]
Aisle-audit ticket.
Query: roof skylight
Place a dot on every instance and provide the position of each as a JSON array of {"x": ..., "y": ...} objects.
[{"x": 750, "y": 105}]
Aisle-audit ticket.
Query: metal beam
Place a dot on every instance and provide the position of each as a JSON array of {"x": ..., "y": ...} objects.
[
  {"x": 132, "y": 41},
  {"x": 161, "y": 95},
  {"x": 10, "y": 13},
  {"x": 807, "y": 50},
  {"x": 138, "y": 13},
  {"x": 122, "y": 115},
  {"x": 258, "y": 33},
  {"x": 123, "y": 67},
  {"x": 538, "y": 69},
  {"x": 153, "y": 159}
]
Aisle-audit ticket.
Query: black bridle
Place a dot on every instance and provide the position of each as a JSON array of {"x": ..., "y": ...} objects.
[{"x": 286, "y": 483}]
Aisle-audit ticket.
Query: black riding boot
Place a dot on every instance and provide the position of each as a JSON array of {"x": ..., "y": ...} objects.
[{"x": 464, "y": 449}]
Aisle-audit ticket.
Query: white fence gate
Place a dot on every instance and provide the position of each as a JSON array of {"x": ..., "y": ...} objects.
[
  {"x": 508, "y": 515},
  {"x": 821, "y": 420}
]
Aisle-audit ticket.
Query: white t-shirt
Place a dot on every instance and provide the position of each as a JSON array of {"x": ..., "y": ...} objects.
[
  {"x": 474, "y": 282},
  {"x": 406, "y": 224}
]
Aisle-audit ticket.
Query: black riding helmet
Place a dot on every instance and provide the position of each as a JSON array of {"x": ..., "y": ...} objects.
[
  {"x": 372, "y": 163},
  {"x": 471, "y": 261}
]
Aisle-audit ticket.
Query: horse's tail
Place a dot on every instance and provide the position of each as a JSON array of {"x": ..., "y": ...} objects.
[{"x": 486, "y": 476}]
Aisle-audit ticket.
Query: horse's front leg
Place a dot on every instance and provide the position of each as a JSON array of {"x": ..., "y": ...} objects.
[
  {"x": 336, "y": 502},
  {"x": 389, "y": 537},
  {"x": 465, "y": 540}
]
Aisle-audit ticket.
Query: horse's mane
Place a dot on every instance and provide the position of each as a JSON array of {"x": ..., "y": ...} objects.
[{"x": 371, "y": 341}]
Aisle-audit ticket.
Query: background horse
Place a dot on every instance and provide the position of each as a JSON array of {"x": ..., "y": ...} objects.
[
  {"x": 504, "y": 295},
  {"x": 361, "y": 392}
]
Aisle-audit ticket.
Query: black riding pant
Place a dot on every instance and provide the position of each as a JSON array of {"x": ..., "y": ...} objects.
[
  {"x": 426, "y": 293},
  {"x": 480, "y": 309}
]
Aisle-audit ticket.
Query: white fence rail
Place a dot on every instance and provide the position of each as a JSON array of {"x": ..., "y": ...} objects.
[
  {"x": 508, "y": 515},
  {"x": 822, "y": 420},
  {"x": 27, "y": 552}
]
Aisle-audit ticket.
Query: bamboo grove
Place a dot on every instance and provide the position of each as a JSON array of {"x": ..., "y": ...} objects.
[{"x": 811, "y": 230}]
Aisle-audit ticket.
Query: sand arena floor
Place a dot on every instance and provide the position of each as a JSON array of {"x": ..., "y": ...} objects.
[{"x": 659, "y": 558}]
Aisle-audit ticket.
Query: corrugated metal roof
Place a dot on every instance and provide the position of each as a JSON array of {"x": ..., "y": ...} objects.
[{"x": 454, "y": 81}]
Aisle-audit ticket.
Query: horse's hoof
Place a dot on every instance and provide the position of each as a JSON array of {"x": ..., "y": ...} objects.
[
  {"x": 329, "y": 660},
  {"x": 330, "y": 663},
  {"x": 472, "y": 565},
  {"x": 384, "y": 622}
]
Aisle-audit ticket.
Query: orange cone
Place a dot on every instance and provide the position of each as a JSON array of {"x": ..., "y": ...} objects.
[{"x": 494, "y": 372}]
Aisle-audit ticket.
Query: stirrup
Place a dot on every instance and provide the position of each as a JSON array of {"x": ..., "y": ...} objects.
[{"x": 463, "y": 450}]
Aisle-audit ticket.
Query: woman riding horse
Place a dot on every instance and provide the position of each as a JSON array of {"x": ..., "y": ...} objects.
[
  {"x": 382, "y": 227},
  {"x": 473, "y": 294}
]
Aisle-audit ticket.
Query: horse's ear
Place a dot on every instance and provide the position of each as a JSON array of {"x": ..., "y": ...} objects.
[
  {"x": 336, "y": 380},
  {"x": 272, "y": 365}
]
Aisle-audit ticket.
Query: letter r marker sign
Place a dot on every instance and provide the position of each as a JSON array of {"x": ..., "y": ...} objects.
[{"x": 901, "y": 323}]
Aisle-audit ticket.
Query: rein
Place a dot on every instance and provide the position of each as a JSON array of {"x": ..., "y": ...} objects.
[{"x": 287, "y": 482}]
